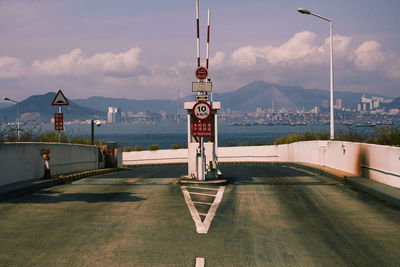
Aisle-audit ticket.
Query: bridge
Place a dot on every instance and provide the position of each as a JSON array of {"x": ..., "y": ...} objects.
[{"x": 310, "y": 203}]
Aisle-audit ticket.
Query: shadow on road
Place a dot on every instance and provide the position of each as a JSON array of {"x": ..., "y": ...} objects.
[{"x": 52, "y": 196}]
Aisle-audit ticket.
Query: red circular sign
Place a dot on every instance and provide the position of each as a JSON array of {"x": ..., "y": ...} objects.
[
  {"x": 201, "y": 73},
  {"x": 201, "y": 111}
]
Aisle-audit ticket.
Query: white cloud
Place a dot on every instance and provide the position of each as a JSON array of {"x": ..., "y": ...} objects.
[
  {"x": 217, "y": 61},
  {"x": 11, "y": 68},
  {"x": 368, "y": 56},
  {"x": 392, "y": 70},
  {"x": 77, "y": 63},
  {"x": 300, "y": 49}
]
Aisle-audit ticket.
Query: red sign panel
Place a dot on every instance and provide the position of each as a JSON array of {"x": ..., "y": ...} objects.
[
  {"x": 202, "y": 129},
  {"x": 58, "y": 121},
  {"x": 201, "y": 73}
]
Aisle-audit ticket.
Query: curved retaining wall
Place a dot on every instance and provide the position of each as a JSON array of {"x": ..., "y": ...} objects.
[
  {"x": 379, "y": 163},
  {"x": 22, "y": 161}
]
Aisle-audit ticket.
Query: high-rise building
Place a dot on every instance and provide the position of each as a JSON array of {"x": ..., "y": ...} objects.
[
  {"x": 113, "y": 115},
  {"x": 325, "y": 103},
  {"x": 339, "y": 103}
]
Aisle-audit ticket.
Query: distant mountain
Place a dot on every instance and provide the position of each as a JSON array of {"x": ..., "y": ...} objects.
[
  {"x": 5, "y": 104},
  {"x": 259, "y": 94},
  {"x": 394, "y": 104},
  {"x": 39, "y": 108}
]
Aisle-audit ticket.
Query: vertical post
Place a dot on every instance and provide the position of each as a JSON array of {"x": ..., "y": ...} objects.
[
  {"x": 208, "y": 38},
  {"x": 59, "y": 132},
  {"x": 198, "y": 33},
  {"x": 202, "y": 167},
  {"x": 332, "y": 135},
  {"x": 18, "y": 129},
  {"x": 92, "y": 132}
]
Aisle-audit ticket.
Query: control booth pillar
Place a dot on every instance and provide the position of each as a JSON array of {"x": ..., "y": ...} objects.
[{"x": 202, "y": 122}]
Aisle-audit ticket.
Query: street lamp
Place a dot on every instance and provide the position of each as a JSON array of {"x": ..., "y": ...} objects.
[
  {"x": 307, "y": 12},
  {"x": 7, "y": 99}
]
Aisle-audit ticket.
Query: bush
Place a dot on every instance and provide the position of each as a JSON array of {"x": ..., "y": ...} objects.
[
  {"x": 154, "y": 147},
  {"x": 127, "y": 149},
  {"x": 307, "y": 136},
  {"x": 176, "y": 146},
  {"x": 388, "y": 136},
  {"x": 138, "y": 148}
]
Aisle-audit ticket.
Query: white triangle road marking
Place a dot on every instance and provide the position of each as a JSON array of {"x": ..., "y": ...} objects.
[
  {"x": 202, "y": 227},
  {"x": 200, "y": 262}
]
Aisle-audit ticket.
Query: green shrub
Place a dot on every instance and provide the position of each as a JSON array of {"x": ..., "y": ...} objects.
[
  {"x": 138, "y": 148},
  {"x": 127, "y": 149},
  {"x": 388, "y": 136},
  {"x": 176, "y": 146},
  {"x": 154, "y": 147}
]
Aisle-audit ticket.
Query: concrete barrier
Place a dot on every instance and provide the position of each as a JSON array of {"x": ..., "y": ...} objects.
[
  {"x": 379, "y": 163},
  {"x": 166, "y": 156},
  {"x": 22, "y": 161}
]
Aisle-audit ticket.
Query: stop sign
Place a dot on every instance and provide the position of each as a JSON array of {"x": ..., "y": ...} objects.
[{"x": 201, "y": 73}]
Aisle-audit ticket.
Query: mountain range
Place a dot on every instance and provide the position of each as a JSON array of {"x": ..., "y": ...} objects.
[{"x": 258, "y": 94}]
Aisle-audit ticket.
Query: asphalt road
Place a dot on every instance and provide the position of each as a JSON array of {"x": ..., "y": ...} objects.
[{"x": 269, "y": 215}]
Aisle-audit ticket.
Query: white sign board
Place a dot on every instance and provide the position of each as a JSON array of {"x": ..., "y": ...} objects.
[{"x": 201, "y": 86}]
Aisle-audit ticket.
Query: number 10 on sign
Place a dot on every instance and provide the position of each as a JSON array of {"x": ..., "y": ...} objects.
[{"x": 201, "y": 111}]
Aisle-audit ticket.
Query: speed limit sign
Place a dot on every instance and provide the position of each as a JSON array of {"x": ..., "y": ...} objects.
[{"x": 201, "y": 111}]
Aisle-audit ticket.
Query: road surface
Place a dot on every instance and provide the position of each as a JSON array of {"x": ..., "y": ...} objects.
[{"x": 268, "y": 215}]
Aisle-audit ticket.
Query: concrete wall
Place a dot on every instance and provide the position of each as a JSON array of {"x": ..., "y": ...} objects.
[
  {"x": 380, "y": 163},
  {"x": 22, "y": 161},
  {"x": 155, "y": 157}
]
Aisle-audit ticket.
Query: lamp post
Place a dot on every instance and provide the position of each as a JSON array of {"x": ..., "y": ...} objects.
[
  {"x": 332, "y": 119},
  {"x": 8, "y": 99}
]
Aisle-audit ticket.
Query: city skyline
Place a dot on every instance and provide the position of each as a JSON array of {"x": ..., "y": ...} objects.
[{"x": 146, "y": 50}]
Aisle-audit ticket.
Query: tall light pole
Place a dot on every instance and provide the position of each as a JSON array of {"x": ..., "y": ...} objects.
[
  {"x": 332, "y": 119},
  {"x": 7, "y": 99}
]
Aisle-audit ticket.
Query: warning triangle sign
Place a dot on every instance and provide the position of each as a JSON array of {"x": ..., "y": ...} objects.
[{"x": 60, "y": 99}]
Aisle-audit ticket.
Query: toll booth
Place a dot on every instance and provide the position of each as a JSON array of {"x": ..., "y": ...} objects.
[{"x": 202, "y": 140}]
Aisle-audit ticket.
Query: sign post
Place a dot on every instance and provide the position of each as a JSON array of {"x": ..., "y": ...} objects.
[{"x": 59, "y": 100}]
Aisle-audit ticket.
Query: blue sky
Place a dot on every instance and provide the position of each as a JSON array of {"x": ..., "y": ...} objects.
[{"x": 147, "y": 49}]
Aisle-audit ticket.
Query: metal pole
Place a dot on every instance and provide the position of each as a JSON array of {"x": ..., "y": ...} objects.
[
  {"x": 331, "y": 82},
  {"x": 18, "y": 130},
  {"x": 198, "y": 33},
  {"x": 59, "y": 132},
  {"x": 332, "y": 116},
  {"x": 208, "y": 38},
  {"x": 92, "y": 132},
  {"x": 202, "y": 159}
]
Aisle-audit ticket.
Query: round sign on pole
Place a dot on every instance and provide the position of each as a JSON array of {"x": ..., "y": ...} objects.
[
  {"x": 201, "y": 111},
  {"x": 201, "y": 73}
]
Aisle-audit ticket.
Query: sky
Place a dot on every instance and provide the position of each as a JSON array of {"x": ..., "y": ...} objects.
[{"x": 147, "y": 49}]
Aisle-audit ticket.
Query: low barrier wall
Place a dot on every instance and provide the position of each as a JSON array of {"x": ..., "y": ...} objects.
[
  {"x": 22, "y": 161},
  {"x": 379, "y": 163},
  {"x": 166, "y": 156}
]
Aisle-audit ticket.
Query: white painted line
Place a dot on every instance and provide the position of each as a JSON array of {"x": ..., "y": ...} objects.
[
  {"x": 205, "y": 188},
  {"x": 202, "y": 227},
  {"x": 193, "y": 211},
  {"x": 202, "y": 214},
  {"x": 202, "y": 194},
  {"x": 214, "y": 206},
  {"x": 202, "y": 203},
  {"x": 200, "y": 262}
]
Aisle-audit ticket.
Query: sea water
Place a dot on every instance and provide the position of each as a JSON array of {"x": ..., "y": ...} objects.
[{"x": 167, "y": 134}]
